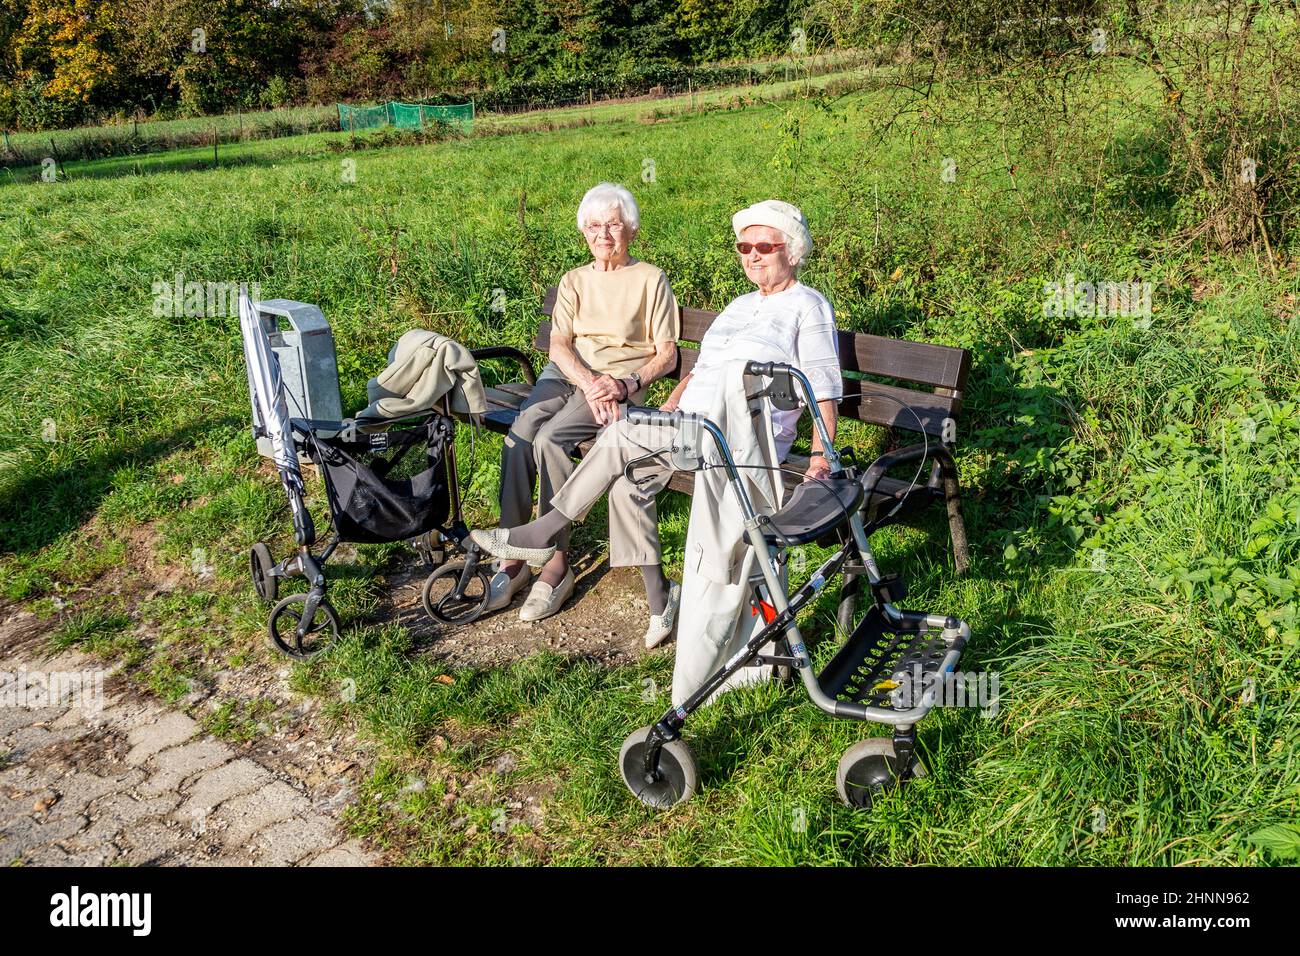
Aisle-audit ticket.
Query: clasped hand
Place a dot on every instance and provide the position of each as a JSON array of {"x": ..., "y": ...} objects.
[{"x": 603, "y": 396}]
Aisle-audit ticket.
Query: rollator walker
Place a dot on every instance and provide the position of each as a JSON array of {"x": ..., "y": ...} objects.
[
  {"x": 386, "y": 480},
  {"x": 890, "y": 667}
]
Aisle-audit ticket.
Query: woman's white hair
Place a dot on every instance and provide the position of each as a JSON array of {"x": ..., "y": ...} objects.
[
  {"x": 797, "y": 247},
  {"x": 603, "y": 195}
]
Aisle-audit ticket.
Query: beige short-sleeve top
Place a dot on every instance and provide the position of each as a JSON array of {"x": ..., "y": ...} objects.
[{"x": 616, "y": 316}]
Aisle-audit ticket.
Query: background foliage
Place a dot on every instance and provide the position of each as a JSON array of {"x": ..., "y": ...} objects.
[{"x": 69, "y": 61}]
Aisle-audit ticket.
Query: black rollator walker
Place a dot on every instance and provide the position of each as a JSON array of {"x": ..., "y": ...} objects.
[
  {"x": 373, "y": 497},
  {"x": 889, "y": 668}
]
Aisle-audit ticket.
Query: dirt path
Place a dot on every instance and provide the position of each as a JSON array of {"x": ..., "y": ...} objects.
[
  {"x": 604, "y": 621},
  {"x": 129, "y": 780}
]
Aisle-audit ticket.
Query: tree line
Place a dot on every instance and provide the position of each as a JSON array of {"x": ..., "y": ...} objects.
[{"x": 68, "y": 62}]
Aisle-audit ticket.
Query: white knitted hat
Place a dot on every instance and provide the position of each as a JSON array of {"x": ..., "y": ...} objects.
[{"x": 778, "y": 215}]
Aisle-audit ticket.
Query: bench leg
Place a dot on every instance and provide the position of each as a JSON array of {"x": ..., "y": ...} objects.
[{"x": 956, "y": 525}]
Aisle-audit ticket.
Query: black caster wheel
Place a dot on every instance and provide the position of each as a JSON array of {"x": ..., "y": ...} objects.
[
  {"x": 679, "y": 776},
  {"x": 442, "y": 603},
  {"x": 260, "y": 564},
  {"x": 282, "y": 628},
  {"x": 870, "y": 768}
]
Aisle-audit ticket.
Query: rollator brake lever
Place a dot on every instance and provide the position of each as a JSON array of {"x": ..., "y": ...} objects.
[
  {"x": 782, "y": 391},
  {"x": 686, "y": 453}
]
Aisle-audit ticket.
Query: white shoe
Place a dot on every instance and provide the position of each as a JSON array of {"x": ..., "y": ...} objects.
[
  {"x": 495, "y": 543},
  {"x": 661, "y": 625},
  {"x": 544, "y": 600},
  {"x": 504, "y": 588}
]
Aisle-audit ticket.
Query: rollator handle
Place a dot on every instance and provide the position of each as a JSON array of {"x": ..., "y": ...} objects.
[
  {"x": 638, "y": 415},
  {"x": 765, "y": 368}
]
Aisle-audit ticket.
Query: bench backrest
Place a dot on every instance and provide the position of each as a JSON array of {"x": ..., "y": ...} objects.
[{"x": 933, "y": 377}]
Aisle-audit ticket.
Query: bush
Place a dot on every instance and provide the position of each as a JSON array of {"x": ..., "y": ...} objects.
[
  {"x": 277, "y": 93},
  {"x": 28, "y": 108}
]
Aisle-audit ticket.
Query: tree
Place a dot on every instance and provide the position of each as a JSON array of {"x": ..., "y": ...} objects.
[{"x": 68, "y": 45}]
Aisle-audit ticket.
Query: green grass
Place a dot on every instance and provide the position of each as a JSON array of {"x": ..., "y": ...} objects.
[
  {"x": 129, "y": 138},
  {"x": 239, "y": 721},
  {"x": 1148, "y": 706},
  {"x": 171, "y": 147},
  {"x": 162, "y": 128},
  {"x": 646, "y": 109}
]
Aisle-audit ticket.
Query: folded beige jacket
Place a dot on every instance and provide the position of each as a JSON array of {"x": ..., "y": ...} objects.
[{"x": 422, "y": 368}]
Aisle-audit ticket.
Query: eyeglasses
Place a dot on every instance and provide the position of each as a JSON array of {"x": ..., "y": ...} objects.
[
  {"x": 596, "y": 228},
  {"x": 764, "y": 248}
]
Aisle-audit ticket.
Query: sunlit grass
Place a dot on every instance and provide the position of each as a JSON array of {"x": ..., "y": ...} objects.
[{"x": 1124, "y": 735}]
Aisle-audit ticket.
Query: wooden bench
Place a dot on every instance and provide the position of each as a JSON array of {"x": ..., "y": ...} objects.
[{"x": 926, "y": 382}]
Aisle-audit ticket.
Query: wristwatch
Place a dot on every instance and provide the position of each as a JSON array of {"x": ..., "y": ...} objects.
[{"x": 636, "y": 380}]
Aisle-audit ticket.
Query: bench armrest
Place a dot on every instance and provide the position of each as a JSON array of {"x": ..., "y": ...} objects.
[
  {"x": 903, "y": 456},
  {"x": 507, "y": 352}
]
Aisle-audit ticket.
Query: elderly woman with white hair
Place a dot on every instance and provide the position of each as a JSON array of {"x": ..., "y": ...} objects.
[
  {"x": 783, "y": 320},
  {"x": 615, "y": 329}
]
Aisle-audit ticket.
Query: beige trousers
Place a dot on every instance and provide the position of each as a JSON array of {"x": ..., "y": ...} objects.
[
  {"x": 633, "y": 515},
  {"x": 554, "y": 421}
]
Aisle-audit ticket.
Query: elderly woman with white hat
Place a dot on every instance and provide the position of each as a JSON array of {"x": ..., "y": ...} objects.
[{"x": 783, "y": 320}]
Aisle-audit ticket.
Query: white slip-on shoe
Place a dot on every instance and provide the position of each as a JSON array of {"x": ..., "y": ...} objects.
[
  {"x": 544, "y": 600},
  {"x": 495, "y": 543},
  {"x": 661, "y": 625},
  {"x": 504, "y": 588}
]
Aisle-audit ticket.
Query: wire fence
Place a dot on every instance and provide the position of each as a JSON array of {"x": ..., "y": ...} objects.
[{"x": 405, "y": 116}]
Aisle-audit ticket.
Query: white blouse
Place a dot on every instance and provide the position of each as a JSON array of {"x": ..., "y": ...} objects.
[{"x": 795, "y": 326}]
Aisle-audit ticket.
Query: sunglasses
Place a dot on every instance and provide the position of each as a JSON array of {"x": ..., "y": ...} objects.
[{"x": 764, "y": 248}]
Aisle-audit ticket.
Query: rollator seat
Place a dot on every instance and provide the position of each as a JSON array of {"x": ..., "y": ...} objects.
[{"x": 814, "y": 508}]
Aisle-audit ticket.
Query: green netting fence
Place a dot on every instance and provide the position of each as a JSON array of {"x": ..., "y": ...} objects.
[{"x": 405, "y": 116}]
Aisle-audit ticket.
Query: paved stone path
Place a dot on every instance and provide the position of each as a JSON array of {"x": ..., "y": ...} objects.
[{"x": 139, "y": 783}]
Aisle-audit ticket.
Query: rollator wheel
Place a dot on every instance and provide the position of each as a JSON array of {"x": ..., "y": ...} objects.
[
  {"x": 679, "y": 775},
  {"x": 260, "y": 564},
  {"x": 868, "y": 769},
  {"x": 282, "y": 628},
  {"x": 442, "y": 603}
]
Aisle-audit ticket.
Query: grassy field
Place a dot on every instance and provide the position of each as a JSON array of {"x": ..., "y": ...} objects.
[
  {"x": 1134, "y": 505},
  {"x": 126, "y": 138},
  {"x": 132, "y": 141},
  {"x": 169, "y": 146}
]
